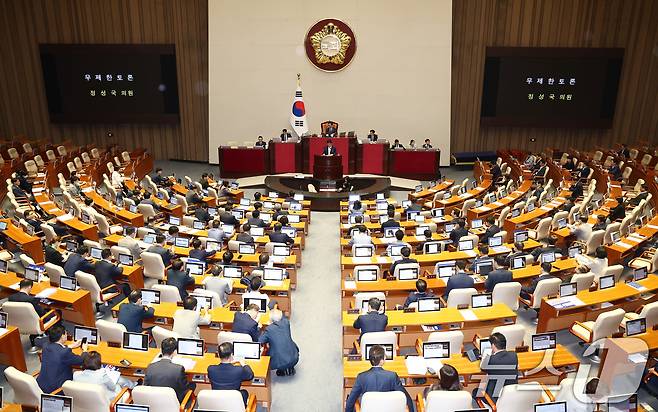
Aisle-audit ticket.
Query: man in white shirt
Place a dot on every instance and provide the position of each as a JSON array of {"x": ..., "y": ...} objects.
[
  {"x": 361, "y": 237},
  {"x": 187, "y": 320},
  {"x": 128, "y": 241},
  {"x": 582, "y": 230},
  {"x": 215, "y": 283}
]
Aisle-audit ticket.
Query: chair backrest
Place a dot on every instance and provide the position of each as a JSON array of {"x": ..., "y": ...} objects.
[
  {"x": 269, "y": 247},
  {"x": 224, "y": 400},
  {"x": 394, "y": 401},
  {"x": 583, "y": 280},
  {"x": 460, "y": 297},
  {"x": 146, "y": 210},
  {"x": 162, "y": 399},
  {"x": 401, "y": 266},
  {"x": 379, "y": 338},
  {"x": 160, "y": 334},
  {"x": 615, "y": 270},
  {"x": 507, "y": 293},
  {"x": 513, "y": 398},
  {"x": 514, "y": 335},
  {"x": 544, "y": 288},
  {"x": 50, "y": 155},
  {"x": 86, "y": 396},
  {"x": 48, "y": 232},
  {"x": 125, "y": 156},
  {"x": 503, "y": 215},
  {"x": 54, "y": 273},
  {"x": 26, "y": 389},
  {"x": 445, "y": 401},
  {"x": 116, "y": 250},
  {"x": 650, "y": 313},
  {"x": 168, "y": 293},
  {"x": 109, "y": 331},
  {"x": 609, "y": 230},
  {"x": 225, "y": 336},
  {"x": 361, "y": 297},
  {"x": 544, "y": 228},
  {"x": 216, "y": 300},
  {"x": 23, "y": 316},
  {"x": 61, "y": 150},
  {"x": 13, "y": 153},
  {"x": 89, "y": 282},
  {"x": 607, "y": 324},
  {"x": 154, "y": 267},
  {"x": 468, "y": 204},
  {"x": 454, "y": 337},
  {"x": 234, "y": 245},
  {"x": 594, "y": 241}
]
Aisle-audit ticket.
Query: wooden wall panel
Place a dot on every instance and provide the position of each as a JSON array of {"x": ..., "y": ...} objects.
[
  {"x": 26, "y": 23},
  {"x": 632, "y": 25}
]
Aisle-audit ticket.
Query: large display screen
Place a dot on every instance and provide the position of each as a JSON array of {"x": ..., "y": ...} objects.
[
  {"x": 550, "y": 87},
  {"x": 110, "y": 83}
]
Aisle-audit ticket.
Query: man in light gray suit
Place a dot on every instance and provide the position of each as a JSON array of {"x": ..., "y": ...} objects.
[
  {"x": 129, "y": 242},
  {"x": 165, "y": 373},
  {"x": 159, "y": 248},
  {"x": 284, "y": 352}
]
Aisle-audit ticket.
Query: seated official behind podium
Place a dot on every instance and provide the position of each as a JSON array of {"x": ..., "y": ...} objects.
[
  {"x": 285, "y": 135},
  {"x": 397, "y": 145},
  {"x": 260, "y": 142},
  {"x": 331, "y": 131},
  {"x": 165, "y": 373},
  {"x": 133, "y": 313},
  {"x": 427, "y": 144},
  {"x": 376, "y": 379},
  {"x": 372, "y": 137},
  {"x": 329, "y": 149},
  {"x": 227, "y": 375}
]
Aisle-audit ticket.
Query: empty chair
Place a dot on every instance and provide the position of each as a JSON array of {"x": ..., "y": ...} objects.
[
  {"x": 54, "y": 273},
  {"x": 454, "y": 337},
  {"x": 109, "y": 331},
  {"x": 89, "y": 397},
  {"x": 168, "y": 293},
  {"x": 507, "y": 293},
  {"x": 225, "y": 400},
  {"x": 543, "y": 229},
  {"x": 609, "y": 230},
  {"x": 61, "y": 150},
  {"x": 378, "y": 338},
  {"x": 594, "y": 241},
  {"x": 154, "y": 268},
  {"x": 648, "y": 259},
  {"x": 26, "y": 389},
  {"x": 25, "y": 318},
  {"x": 50, "y": 155},
  {"x": 445, "y": 401},
  {"x": 394, "y": 401},
  {"x": 514, "y": 335},
  {"x": 544, "y": 288},
  {"x": 615, "y": 270},
  {"x": 160, "y": 334},
  {"x": 13, "y": 153},
  {"x": 161, "y": 399},
  {"x": 98, "y": 296},
  {"x": 117, "y": 250},
  {"x": 459, "y": 297},
  {"x": 648, "y": 312},
  {"x": 583, "y": 280},
  {"x": 513, "y": 398},
  {"x": 606, "y": 324},
  {"x": 231, "y": 337}
]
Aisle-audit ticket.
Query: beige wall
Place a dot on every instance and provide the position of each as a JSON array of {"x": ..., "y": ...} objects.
[{"x": 398, "y": 82}]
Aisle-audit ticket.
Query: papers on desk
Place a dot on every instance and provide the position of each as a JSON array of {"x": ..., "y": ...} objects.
[
  {"x": 637, "y": 286},
  {"x": 566, "y": 302},
  {"x": 46, "y": 292},
  {"x": 417, "y": 365},
  {"x": 636, "y": 237},
  {"x": 468, "y": 314},
  {"x": 37, "y": 190},
  {"x": 275, "y": 283},
  {"x": 545, "y": 208},
  {"x": 65, "y": 217},
  {"x": 186, "y": 363},
  {"x": 361, "y": 259},
  {"x": 349, "y": 285},
  {"x": 3, "y": 331},
  {"x": 624, "y": 245},
  {"x": 654, "y": 227}
]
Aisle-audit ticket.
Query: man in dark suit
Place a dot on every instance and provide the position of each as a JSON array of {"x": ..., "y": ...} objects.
[
  {"x": 518, "y": 252},
  {"x": 576, "y": 190},
  {"x": 500, "y": 275},
  {"x": 53, "y": 255},
  {"x": 198, "y": 253},
  {"x": 227, "y": 375},
  {"x": 133, "y": 313},
  {"x": 245, "y": 322},
  {"x": 23, "y": 295},
  {"x": 329, "y": 149},
  {"x": 279, "y": 237},
  {"x": 391, "y": 222},
  {"x": 57, "y": 360},
  {"x": 397, "y": 145},
  {"x": 421, "y": 292},
  {"x": 550, "y": 247},
  {"x": 255, "y": 219},
  {"x": 461, "y": 280},
  {"x": 406, "y": 252},
  {"x": 458, "y": 232},
  {"x": 201, "y": 213},
  {"x": 165, "y": 373},
  {"x": 159, "y": 247},
  {"x": 78, "y": 261},
  {"x": 331, "y": 131},
  {"x": 227, "y": 218},
  {"x": 615, "y": 172},
  {"x": 541, "y": 169},
  {"x": 618, "y": 212},
  {"x": 584, "y": 171},
  {"x": 260, "y": 142},
  {"x": 492, "y": 229},
  {"x": 176, "y": 277},
  {"x": 623, "y": 151},
  {"x": 600, "y": 224},
  {"x": 158, "y": 178},
  {"x": 501, "y": 367},
  {"x": 284, "y": 352},
  {"x": 495, "y": 171},
  {"x": 640, "y": 196},
  {"x": 376, "y": 379},
  {"x": 17, "y": 191},
  {"x": 107, "y": 273},
  {"x": 244, "y": 236},
  {"x": 285, "y": 135},
  {"x": 372, "y": 136},
  {"x": 526, "y": 291},
  {"x": 372, "y": 321}
]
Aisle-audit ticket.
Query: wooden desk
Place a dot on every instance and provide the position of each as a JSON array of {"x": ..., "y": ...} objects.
[
  {"x": 11, "y": 349},
  {"x": 496, "y": 207},
  {"x": 31, "y": 245},
  {"x": 76, "y": 307},
  {"x": 627, "y": 246},
  {"x": 455, "y": 201},
  {"x": 260, "y": 386},
  {"x": 594, "y": 303},
  {"x": 428, "y": 193},
  {"x": 279, "y": 292},
  {"x": 74, "y": 224},
  {"x": 408, "y": 326},
  {"x": 367, "y": 203},
  {"x": 528, "y": 219},
  {"x": 113, "y": 211}
]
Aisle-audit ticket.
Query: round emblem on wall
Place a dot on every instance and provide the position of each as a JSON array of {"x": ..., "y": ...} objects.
[{"x": 330, "y": 45}]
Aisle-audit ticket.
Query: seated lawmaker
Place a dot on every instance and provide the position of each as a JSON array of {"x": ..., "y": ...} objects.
[
  {"x": 406, "y": 252},
  {"x": 198, "y": 253},
  {"x": 280, "y": 237},
  {"x": 78, "y": 261},
  {"x": 420, "y": 293},
  {"x": 228, "y": 375},
  {"x": 372, "y": 320},
  {"x": 255, "y": 220},
  {"x": 361, "y": 237},
  {"x": 165, "y": 373},
  {"x": 244, "y": 236},
  {"x": 331, "y": 131},
  {"x": 187, "y": 320},
  {"x": 391, "y": 222},
  {"x": 329, "y": 149},
  {"x": 500, "y": 274},
  {"x": 501, "y": 367},
  {"x": 178, "y": 278},
  {"x": 399, "y": 236},
  {"x": 372, "y": 136},
  {"x": 247, "y": 322},
  {"x": 133, "y": 313},
  {"x": 376, "y": 379},
  {"x": 461, "y": 280},
  {"x": 24, "y": 295},
  {"x": 285, "y": 135},
  {"x": 108, "y": 273}
]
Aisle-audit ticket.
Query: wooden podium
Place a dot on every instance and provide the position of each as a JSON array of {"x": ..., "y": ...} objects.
[{"x": 328, "y": 167}]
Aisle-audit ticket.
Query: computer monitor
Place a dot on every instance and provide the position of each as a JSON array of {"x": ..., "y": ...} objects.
[
  {"x": 125, "y": 407},
  {"x": 135, "y": 341},
  {"x": 32, "y": 274},
  {"x": 568, "y": 289},
  {"x": 267, "y": 217},
  {"x": 195, "y": 268},
  {"x": 447, "y": 196},
  {"x": 133, "y": 208},
  {"x": 574, "y": 251},
  {"x": 483, "y": 300},
  {"x": 238, "y": 214},
  {"x": 257, "y": 231},
  {"x": 530, "y": 207},
  {"x": 381, "y": 205},
  {"x": 437, "y": 212},
  {"x": 149, "y": 238},
  {"x": 182, "y": 242},
  {"x": 3, "y": 225},
  {"x": 174, "y": 221},
  {"x": 446, "y": 269},
  {"x": 429, "y": 304},
  {"x": 71, "y": 246},
  {"x": 68, "y": 283},
  {"x": 640, "y": 274},
  {"x": 562, "y": 222},
  {"x": 84, "y": 216},
  {"x": 379, "y": 196},
  {"x": 432, "y": 247},
  {"x": 411, "y": 215},
  {"x": 476, "y": 223},
  {"x": 247, "y": 248},
  {"x": 420, "y": 230},
  {"x": 623, "y": 403},
  {"x": 190, "y": 347},
  {"x": 274, "y": 274},
  {"x": 466, "y": 245},
  {"x": 234, "y": 272},
  {"x": 548, "y": 257},
  {"x": 516, "y": 212},
  {"x": 495, "y": 241},
  {"x": 614, "y": 237},
  {"x": 56, "y": 403},
  {"x": 202, "y": 301},
  {"x": 389, "y": 232},
  {"x": 406, "y": 204},
  {"x": 298, "y": 197},
  {"x": 366, "y": 275},
  {"x": 544, "y": 341},
  {"x": 290, "y": 231},
  {"x": 521, "y": 236},
  {"x": 150, "y": 296},
  {"x": 483, "y": 267},
  {"x": 3, "y": 319},
  {"x": 436, "y": 350},
  {"x": 636, "y": 327},
  {"x": 353, "y": 198},
  {"x": 551, "y": 407},
  {"x": 246, "y": 350},
  {"x": 80, "y": 332},
  {"x": 576, "y": 216},
  {"x": 396, "y": 250},
  {"x": 606, "y": 282},
  {"x": 212, "y": 211},
  {"x": 126, "y": 260},
  {"x": 363, "y": 251},
  {"x": 260, "y": 302},
  {"x": 213, "y": 245},
  {"x": 449, "y": 227},
  {"x": 245, "y": 202},
  {"x": 173, "y": 200},
  {"x": 228, "y": 229},
  {"x": 281, "y": 250},
  {"x": 388, "y": 349},
  {"x": 96, "y": 253},
  {"x": 198, "y": 225},
  {"x": 407, "y": 273},
  {"x": 273, "y": 195},
  {"x": 3, "y": 266}
]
